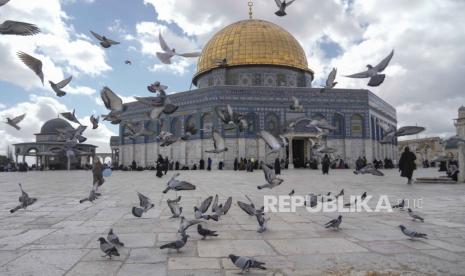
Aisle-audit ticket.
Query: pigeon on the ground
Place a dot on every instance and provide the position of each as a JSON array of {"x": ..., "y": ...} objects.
[
  {"x": 271, "y": 141},
  {"x": 15, "y": 121},
  {"x": 71, "y": 116},
  {"x": 205, "y": 232},
  {"x": 200, "y": 212},
  {"x": 57, "y": 87},
  {"x": 184, "y": 224},
  {"x": 262, "y": 221},
  {"x": 168, "y": 52},
  {"x": 401, "y": 205},
  {"x": 175, "y": 209},
  {"x": 374, "y": 72},
  {"x": 178, "y": 244},
  {"x": 113, "y": 103},
  {"x": 218, "y": 143},
  {"x": 341, "y": 193},
  {"x": 292, "y": 192},
  {"x": 334, "y": 223},
  {"x": 270, "y": 177},
  {"x": 104, "y": 41},
  {"x": 220, "y": 210},
  {"x": 282, "y": 7},
  {"x": 296, "y": 106},
  {"x": 415, "y": 216},
  {"x": 24, "y": 200},
  {"x": 33, "y": 63},
  {"x": 108, "y": 248},
  {"x": 93, "y": 195},
  {"x": 330, "y": 81},
  {"x": 246, "y": 263},
  {"x": 145, "y": 203},
  {"x": 369, "y": 169},
  {"x": 178, "y": 185},
  {"x": 10, "y": 27},
  {"x": 113, "y": 238},
  {"x": 412, "y": 234},
  {"x": 94, "y": 121},
  {"x": 3, "y": 2}
]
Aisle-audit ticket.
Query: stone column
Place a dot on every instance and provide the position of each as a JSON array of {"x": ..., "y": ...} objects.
[
  {"x": 461, "y": 153},
  {"x": 291, "y": 157}
]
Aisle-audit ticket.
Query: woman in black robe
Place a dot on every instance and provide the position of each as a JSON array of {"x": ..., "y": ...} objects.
[
  {"x": 325, "y": 164},
  {"x": 160, "y": 165},
  {"x": 277, "y": 166},
  {"x": 407, "y": 164},
  {"x": 236, "y": 164}
]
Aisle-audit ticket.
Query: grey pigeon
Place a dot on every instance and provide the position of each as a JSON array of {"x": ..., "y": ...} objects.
[
  {"x": 271, "y": 141},
  {"x": 246, "y": 263},
  {"x": 177, "y": 185},
  {"x": 185, "y": 224},
  {"x": 390, "y": 132},
  {"x": 334, "y": 223},
  {"x": 205, "y": 232},
  {"x": 24, "y": 200},
  {"x": 104, "y": 41},
  {"x": 108, "y": 248},
  {"x": 175, "y": 209},
  {"x": 33, "y": 63},
  {"x": 189, "y": 130},
  {"x": 296, "y": 106},
  {"x": 113, "y": 238},
  {"x": 312, "y": 200},
  {"x": 412, "y": 234},
  {"x": 220, "y": 210},
  {"x": 93, "y": 195},
  {"x": 341, "y": 193},
  {"x": 330, "y": 81},
  {"x": 218, "y": 143},
  {"x": 374, "y": 72},
  {"x": 292, "y": 192},
  {"x": 270, "y": 177},
  {"x": 15, "y": 121},
  {"x": 94, "y": 121},
  {"x": 364, "y": 195},
  {"x": 282, "y": 7},
  {"x": 10, "y": 27},
  {"x": 199, "y": 212},
  {"x": 57, "y": 87},
  {"x": 168, "y": 52},
  {"x": 113, "y": 103},
  {"x": 3, "y": 2},
  {"x": 145, "y": 203},
  {"x": 262, "y": 221},
  {"x": 414, "y": 215},
  {"x": 71, "y": 116},
  {"x": 401, "y": 205},
  {"x": 166, "y": 138},
  {"x": 157, "y": 87},
  {"x": 178, "y": 244},
  {"x": 248, "y": 208},
  {"x": 127, "y": 62},
  {"x": 369, "y": 169}
]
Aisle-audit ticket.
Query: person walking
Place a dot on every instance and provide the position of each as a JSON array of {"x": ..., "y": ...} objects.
[
  {"x": 407, "y": 164},
  {"x": 236, "y": 164},
  {"x": 277, "y": 166},
  {"x": 160, "y": 165},
  {"x": 325, "y": 163},
  {"x": 97, "y": 173},
  {"x": 209, "y": 164}
]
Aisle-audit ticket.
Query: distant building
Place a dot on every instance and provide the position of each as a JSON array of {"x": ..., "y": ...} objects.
[{"x": 48, "y": 140}]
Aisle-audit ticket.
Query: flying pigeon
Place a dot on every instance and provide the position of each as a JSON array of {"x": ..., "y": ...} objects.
[
  {"x": 246, "y": 263},
  {"x": 178, "y": 244},
  {"x": 231, "y": 119},
  {"x": 168, "y": 53},
  {"x": 108, "y": 248},
  {"x": 104, "y": 41},
  {"x": 33, "y": 63},
  {"x": 334, "y": 223},
  {"x": 205, "y": 232},
  {"x": 175, "y": 209},
  {"x": 57, "y": 87},
  {"x": 414, "y": 215},
  {"x": 94, "y": 121},
  {"x": 282, "y": 7},
  {"x": 189, "y": 130},
  {"x": 412, "y": 234},
  {"x": 200, "y": 212},
  {"x": 71, "y": 116},
  {"x": 369, "y": 169},
  {"x": 296, "y": 106},
  {"x": 10, "y": 27},
  {"x": 185, "y": 224},
  {"x": 113, "y": 103},
  {"x": 15, "y": 121},
  {"x": 145, "y": 203},
  {"x": 262, "y": 221},
  {"x": 271, "y": 141},
  {"x": 248, "y": 208},
  {"x": 3, "y": 2},
  {"x": 401, "y": 205},
  {"x": 218, "y": 143},
  {"x": 166, "y": 138},
  {"x": 390, "y": 132},
  {"x": 220, "y": 210},
  {"x": 93, "y": 195},
  {"x": 330, "y": 81},
  {"x": 157, "y": 87},
  {"x": 128, "y": 62},
  {"x": 24, "y": 200},
  {"x": 114, "y": 239},
  {"x": 374, "y": 72},
  {"x": 292, "y": 192},
  {"x": 177, "y": 185},
  {"x": 270, "y": 177}
]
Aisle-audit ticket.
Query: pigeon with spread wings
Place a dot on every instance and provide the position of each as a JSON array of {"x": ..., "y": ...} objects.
[
  {"x": 373, "y": 72},
  {"x": 168, "y": 52},
  {"x": 104, "y": 41},
  {"x": 10, "y": 27}
]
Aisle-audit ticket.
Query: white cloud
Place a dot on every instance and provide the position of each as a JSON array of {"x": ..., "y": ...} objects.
[
  {"x": 58, "y": 46},
  {"x": 80, "y": 90}
]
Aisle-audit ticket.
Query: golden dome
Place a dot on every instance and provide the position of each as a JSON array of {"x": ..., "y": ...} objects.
[{"x": 252, "y": 42}]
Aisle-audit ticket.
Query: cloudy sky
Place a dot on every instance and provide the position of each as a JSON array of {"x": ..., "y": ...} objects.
[{"x": 425, "y": 79}]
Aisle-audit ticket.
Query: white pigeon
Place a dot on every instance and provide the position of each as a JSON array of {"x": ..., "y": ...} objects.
[
  {"x": 15, "y": 121},
  {"x": 374, "y": 72},
  {"x": 168, "y": 52},
  {"x": 330, "y": 81}
]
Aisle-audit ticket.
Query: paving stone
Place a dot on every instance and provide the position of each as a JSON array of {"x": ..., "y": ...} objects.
[
  {"x": 222, "y": 248},
  {"x": 315, "y": 246},
  {"x": 176, "y": 263},
  {"x": 142, "y": 269}
]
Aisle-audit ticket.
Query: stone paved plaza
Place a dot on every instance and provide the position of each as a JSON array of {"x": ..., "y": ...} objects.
[{"x": 58, "y": 236}]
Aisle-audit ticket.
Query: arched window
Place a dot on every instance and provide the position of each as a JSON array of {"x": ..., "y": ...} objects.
[
  {"x": 339, "y": 124},
  {"x": 272, "y": 124},
  {"x": 356, "y": 122},
  {"x": 206, "y": 125},
  {"x": 252, "y": 123},
  {"x": 163, "y": 125},
  {"x": 176, "y": 128},
  {"x": 190, "y": 121}
]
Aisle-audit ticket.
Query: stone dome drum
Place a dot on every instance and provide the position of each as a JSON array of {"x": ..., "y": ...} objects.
[
  {"x": 252, "y": 42},
  {"x": 51, "y": 126}
]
